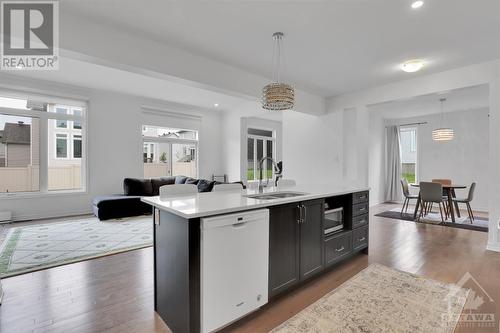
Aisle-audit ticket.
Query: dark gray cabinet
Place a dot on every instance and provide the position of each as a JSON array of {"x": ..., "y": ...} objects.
[
  {"x": 283, "y": 247},
  {"x": 295, "y": 244},
  {"x": 311, "y": 239}
]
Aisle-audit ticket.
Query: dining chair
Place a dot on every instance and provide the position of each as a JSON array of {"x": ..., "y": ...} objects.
[
  {"x": 177, "y": 190},
  {"x": 408, "y": 196},
  {"x": 444, "y": 181},
  {"x": 286, "y": 182},
  {"x": 431, "y": 192},
  {"x": 227, "y": 187},
  {"x": 467, "y": 201}
]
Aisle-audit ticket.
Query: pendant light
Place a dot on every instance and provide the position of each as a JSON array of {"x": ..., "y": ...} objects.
[
  {"x": 442, "y": 133},
  {"x": 277, "y": 96}
]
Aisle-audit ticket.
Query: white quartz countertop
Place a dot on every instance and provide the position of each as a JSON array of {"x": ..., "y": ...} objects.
[{"x": 216, "y": 203}]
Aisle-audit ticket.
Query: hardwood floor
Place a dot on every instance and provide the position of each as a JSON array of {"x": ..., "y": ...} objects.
[{"x": 115, "y": 293}]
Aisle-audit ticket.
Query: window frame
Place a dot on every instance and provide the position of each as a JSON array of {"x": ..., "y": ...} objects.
[
  {"x": 44, "y": 118},
  {"x": 170, "y": 141},
  {"x": 264, "y": 139},
  {"x": 412, "y": 128},
  {"x": 66, "y": 136}
]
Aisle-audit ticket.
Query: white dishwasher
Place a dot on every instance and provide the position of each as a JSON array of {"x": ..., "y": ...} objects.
[{"x": 234, "y": 266}]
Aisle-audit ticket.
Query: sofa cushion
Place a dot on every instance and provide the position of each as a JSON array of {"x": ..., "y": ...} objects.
[
  {"x": 205, "y": 185},
  {"x": 118, "y": 206},
  {"x": 180, "y": 179},
  {"x": 136, "y": 186},
  {"x": 159, "y": 182},
  {"x": 193, "y": 181}
]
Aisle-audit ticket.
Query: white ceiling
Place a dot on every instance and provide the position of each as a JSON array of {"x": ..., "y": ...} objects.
[
  {"x": 331, "y": 47},
  {"x": 472, "y": 98}
]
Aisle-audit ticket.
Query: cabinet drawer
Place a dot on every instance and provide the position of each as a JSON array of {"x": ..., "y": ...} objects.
[
  {"x": 360, "y": 209},
  {"x": 360, "y": 238},
  {"x": 337, "y": 247},
  {"x": 360, "y": 197},
  {"x": 359, "y": 221}
]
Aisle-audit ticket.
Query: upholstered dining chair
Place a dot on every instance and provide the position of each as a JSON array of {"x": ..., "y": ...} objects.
[
  {"x": 467, "y": 201},
  {"x": 408, "y": 196},
  {"x": 431, "y": 192},
  {"x": 177, "y": 190},
  {"x": 227, "y": 187},
  {"x": 444, "y": 181}
]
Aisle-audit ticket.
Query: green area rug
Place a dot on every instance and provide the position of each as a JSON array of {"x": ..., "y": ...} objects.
[{"x": 31, "y": 248}]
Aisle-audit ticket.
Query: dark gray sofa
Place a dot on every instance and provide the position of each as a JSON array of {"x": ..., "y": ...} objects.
[{"x": 129, "y": 203}]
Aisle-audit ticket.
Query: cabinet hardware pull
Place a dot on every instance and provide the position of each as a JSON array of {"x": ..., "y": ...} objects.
[
  {"x": 340, "y": 249},
  {"x": 362, "y": 209},
  {"x": 305, "y": 213},
  {"x": 361, "y": 239},
  {"x": 299, "y": 220}
]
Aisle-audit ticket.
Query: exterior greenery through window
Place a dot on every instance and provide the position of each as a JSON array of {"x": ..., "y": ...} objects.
[
  {"x": 260, "y": 143},
  {"x": 169, "y": 152},
  {"x": 30, "y": 126},
  {"x": 409, "y": 153}
]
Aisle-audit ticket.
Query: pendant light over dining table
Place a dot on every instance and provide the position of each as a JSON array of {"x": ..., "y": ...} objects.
[
  {"x": 277, "y": 96},
  {"x": 442, "y": 133}
]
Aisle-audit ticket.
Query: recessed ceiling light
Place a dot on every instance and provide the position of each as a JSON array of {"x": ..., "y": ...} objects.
[
  {"x": 216, "y": 104},
  {"x": 417, "y": 4},
  {"x": 412, "y": 66}
]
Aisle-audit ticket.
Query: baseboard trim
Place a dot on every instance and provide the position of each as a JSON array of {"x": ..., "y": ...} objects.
[
  {"x": 493, "y": 247},
  {"x": 48, "y": 215}
]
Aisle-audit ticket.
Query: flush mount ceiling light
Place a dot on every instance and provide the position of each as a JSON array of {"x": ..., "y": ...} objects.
[
  {"x": 277, "y": 96},
  {"x": 216, "y": 105},
  {"x": 417, "y": 4},
  {"x": 412, "y": 66},
  {"x": 442, "y": 133}
]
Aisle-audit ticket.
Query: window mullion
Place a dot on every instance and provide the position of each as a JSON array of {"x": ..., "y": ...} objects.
[{"x": 44, "y": 155}]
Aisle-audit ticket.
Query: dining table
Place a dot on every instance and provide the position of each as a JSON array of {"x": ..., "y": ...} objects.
[{"x": 449, "y": 190}]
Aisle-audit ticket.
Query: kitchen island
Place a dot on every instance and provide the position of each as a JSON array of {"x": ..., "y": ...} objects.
[{"x": 206, "y": 276}]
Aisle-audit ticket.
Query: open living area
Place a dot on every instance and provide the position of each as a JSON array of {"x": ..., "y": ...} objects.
[{"x": 250, "y": 166}]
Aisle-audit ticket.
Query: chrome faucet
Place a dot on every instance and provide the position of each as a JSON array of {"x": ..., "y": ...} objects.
[{"x": 276, "y": 169}]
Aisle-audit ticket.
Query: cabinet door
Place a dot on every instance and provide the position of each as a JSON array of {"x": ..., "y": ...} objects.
[
  {"x": 311, "y": 239},
  {"x": 283, "y": 248}
]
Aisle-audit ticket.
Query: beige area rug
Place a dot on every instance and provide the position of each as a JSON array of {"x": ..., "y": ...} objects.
[
  {"x": 40, "y": 246},
  {"x": 381, "y": 299}
]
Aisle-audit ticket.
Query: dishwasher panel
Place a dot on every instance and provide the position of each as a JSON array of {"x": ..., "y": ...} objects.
[{"x": 234, "y": 267}]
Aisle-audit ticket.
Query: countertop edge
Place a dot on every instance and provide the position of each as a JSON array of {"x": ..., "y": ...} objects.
[{"x": 260, "y": 204}]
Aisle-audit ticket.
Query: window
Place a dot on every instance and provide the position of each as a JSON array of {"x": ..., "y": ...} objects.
[
  {"x": 260, "y": 143},
  {"x": 30, "y": 127},
  {"x": 62, "y": 123},
  {"x": 76, "y": 123},
  {"x": 77, "y": 146},
  {"x": 169, "y": 152},
  {"x": 61, "y": 145},
  {"x": 408, "y": 138}
]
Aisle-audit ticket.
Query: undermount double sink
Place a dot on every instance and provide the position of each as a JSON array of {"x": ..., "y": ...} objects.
[{"x": 275, "y": 195}]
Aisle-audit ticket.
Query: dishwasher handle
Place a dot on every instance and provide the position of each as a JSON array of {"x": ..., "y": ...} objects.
[{"x": 239, "y": 225}]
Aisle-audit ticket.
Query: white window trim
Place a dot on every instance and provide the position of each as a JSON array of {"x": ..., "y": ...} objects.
[
  {"x": 171, "y": 141},
  {"x": 43, "y": 153},
  {"x": 264, "y": 151}
]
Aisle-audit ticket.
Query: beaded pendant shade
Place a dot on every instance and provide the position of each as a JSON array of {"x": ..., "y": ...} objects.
[
  {"x": 277, "y": 96},
  {"x": 442, "y": 133}
]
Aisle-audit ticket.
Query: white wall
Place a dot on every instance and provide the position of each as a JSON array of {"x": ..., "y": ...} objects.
[
  {"x": 377, "y": 159},
  {"x": 312, "y": 148},
  {"x": 114, "y": 146}
]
